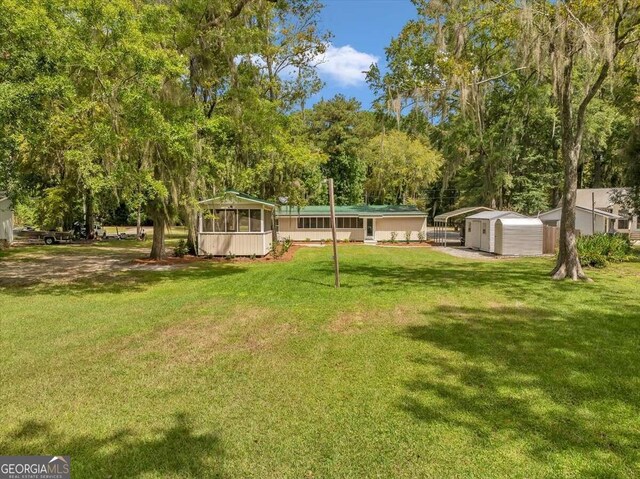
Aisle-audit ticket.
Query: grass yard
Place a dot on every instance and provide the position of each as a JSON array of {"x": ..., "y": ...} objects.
[{"x": 422, "y": 365}]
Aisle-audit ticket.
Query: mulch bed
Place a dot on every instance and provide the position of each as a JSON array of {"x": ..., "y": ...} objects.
[
  {"x": 404, "y": 245},
  {"x": 172, "y": 260}
]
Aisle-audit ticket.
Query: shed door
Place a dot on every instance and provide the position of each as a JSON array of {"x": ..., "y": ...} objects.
[
  {"x": 474, "y": 235},
  {"x": 485, "y": 231}
]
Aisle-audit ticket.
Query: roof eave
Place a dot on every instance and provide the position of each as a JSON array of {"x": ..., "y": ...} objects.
[{"x": 237, "y": 195}]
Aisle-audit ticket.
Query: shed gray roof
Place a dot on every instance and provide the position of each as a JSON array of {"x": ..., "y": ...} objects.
[
  {"x": 492, "y": 215},
  {"x": 523, "y": 221}
]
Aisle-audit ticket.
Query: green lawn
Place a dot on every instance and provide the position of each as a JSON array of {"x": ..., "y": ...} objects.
[{"x": 422, "y": 365}]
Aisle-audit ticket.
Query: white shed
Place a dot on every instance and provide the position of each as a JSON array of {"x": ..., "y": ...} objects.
[
  {"x": 518, "y": 236},
  {"x": 480, "y": 229},
  {"x": 6, "y": 219}
]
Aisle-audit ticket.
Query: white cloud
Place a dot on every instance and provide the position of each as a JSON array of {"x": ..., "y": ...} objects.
[{"x": 345, "y": 65}]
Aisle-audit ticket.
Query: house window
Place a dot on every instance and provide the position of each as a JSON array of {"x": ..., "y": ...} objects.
[
  {"x": 317, "y": 223},
  {"x": 623, "y": 224},
  {"x": 255, "y": 221},
  {"x": 349, "y": 223}
]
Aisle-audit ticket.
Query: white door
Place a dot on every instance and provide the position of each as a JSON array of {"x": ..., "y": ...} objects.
[{"x": 369, "y": 230}]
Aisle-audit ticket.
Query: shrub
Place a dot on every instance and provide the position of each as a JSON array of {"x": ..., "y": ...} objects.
[
  {"x": 279, "y": 248},
  {"x": 230, "y": 256},
  {"x": 394, "y": 235},
  {"x": 600, "y": 249},
  {"x": 407, "y": 236},
  {"x": 421, "y": 236},
  {"x": 181, "y": 249}
]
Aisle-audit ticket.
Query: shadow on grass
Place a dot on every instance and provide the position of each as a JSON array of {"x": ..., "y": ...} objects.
[
  {"x": 174, "y": 451},
  {"x": 515, "y": 277},
  {"x": 556, "y": 383}
]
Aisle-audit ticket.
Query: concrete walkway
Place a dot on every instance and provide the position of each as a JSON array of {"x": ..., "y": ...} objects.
[{"x": 462, "y": 252}]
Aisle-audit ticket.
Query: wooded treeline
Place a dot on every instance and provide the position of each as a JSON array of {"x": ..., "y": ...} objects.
[
  {"x": 527, "y": 100},
  {"x": 138, "y": 108}
]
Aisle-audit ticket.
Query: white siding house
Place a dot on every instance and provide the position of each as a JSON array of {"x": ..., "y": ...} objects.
[
  {"x": 600, "y": 199},
  {"x": 6, "y": 219},
  {"x": 480, "y": 229},
  {"x": 587, "y": 222},
  {"x": 235, "y": 224},
  {"x": 518, "y": 236},
  {"x": 368, "y": 223}
]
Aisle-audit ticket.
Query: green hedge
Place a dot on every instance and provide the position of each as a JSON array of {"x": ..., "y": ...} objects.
[{"x": 600, "y": 249}]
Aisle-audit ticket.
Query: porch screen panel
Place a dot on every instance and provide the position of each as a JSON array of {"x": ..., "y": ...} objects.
[
  {"x": 231, "y": 221},
  {"x": 207, "y": 222},
  {"x": 255, "y": 220},
  {"x": 267, "y": 220},
  {"x": 219, "y": 221},
  {"x": 243, "y": 221}
]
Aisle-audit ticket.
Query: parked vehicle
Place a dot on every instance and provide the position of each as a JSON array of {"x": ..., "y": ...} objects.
[
  {"x": 80, "y": 231},
  {"x": 49, "y": 237}
]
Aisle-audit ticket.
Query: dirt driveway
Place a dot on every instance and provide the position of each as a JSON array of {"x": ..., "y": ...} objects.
[{"x": 68, "y": 264}]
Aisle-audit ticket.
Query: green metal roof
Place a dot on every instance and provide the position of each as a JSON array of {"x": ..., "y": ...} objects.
[
  {"x": 362, "y": 210},
  {"x": 242, "y": 196}
]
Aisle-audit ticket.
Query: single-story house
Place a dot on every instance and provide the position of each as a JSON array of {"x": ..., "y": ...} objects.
[
  {"x": 235, "y": 224},
  {"x": 518, "y": 236},
  {"x": 480, "y": 231},
  {"x": 6, "y": 219},
  {"x": 367, "y": 223},
  {"x": 601, "y": 199},
  {"x": 242, "y": 225},
  {"x": 588, "y": 222}
]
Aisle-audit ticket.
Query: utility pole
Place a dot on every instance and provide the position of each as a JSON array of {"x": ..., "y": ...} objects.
[
  {"x": 332, "y": 209},
  {"x": 593, "y": 213}
]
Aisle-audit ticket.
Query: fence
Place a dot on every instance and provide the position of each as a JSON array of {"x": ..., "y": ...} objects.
[{"x": 550, "y": 239}]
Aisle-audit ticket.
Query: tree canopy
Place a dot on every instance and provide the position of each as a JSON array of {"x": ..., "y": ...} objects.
[{"x": 141, "y": 108}]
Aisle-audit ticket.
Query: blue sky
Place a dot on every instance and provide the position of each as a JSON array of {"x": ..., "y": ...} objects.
[{"x": 361, "y": 31}]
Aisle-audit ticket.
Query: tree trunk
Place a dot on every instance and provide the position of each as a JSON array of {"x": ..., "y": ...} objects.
[
  {"x": 192, "y": 235},
  {"x": 88, "y": 215},
  {"x": 598, "y": 170},
  {"x": 568, "y": 264},
  {"x": 157, "y": 246},
  {"x": 139, "y": 223}
]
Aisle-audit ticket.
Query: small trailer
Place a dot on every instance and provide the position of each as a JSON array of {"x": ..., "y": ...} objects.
[{"x": 49, "y": 237}]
